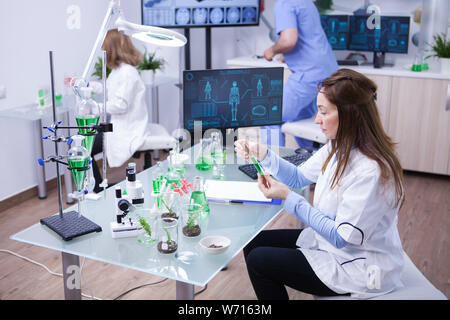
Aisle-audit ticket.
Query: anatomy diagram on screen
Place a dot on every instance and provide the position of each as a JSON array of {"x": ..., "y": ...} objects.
[
  {"x": 208, "y": 90},
  {"x": 234, "y": 100}
]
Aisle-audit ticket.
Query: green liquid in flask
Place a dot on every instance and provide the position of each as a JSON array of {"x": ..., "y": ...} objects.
[
  {"x": 204, "y": 163},
  {"x": 78, "y": 175},
  {"x": 199, "y": 197},
  {"x": 89, "y": 134}
]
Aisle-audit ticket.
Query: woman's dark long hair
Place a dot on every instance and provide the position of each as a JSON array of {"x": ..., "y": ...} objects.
[{"x": 360, "y": 126}]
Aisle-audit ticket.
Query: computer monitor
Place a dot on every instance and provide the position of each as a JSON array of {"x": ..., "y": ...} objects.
[
  {"x": 232, "y": 98},
  {"x": 336, "y": 30},
  {"x": 199, "y": 13},
  {"x": 391, "y": 37}
]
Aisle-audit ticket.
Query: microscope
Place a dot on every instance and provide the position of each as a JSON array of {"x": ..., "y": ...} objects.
[{"x": 126, "y": 203}]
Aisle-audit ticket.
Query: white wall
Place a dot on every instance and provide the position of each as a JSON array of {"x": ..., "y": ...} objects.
[{"x": 28, "y": 30}]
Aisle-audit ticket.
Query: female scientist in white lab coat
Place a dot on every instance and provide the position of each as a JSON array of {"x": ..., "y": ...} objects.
[
  {"x": 352, "y": 246},
  {"x": 126, "y": 103}
]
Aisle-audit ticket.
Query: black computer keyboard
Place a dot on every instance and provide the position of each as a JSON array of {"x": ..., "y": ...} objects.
[
  {"x": 297, "y": 159},
  {"x": 349, "y": 62}
]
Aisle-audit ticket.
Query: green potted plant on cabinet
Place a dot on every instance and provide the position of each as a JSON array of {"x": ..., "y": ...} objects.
[
  {"x": 441, "y": 50},
  {"x": 148, "y": 67},
  {"x": 98, "y": 69}
]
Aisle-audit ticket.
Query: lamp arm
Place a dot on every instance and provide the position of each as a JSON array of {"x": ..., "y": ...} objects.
[
  {"x": 113, "y": 8},
  {"x": 272, "y": 34}
]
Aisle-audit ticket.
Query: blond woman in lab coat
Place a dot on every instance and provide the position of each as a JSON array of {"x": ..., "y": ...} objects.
[
  {"x": 351, "y": 245},
  {"x": 125, "y": 102}
]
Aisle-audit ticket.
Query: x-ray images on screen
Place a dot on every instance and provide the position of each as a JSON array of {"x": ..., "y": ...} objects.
[{"x": 199, "y": 13}]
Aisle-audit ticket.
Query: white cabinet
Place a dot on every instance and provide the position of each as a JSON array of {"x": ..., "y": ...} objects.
[
  {"x": 384, "y": 84},
  {"x": 420, "y": 124}
]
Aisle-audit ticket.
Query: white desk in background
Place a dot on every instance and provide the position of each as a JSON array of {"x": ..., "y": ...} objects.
[
  {"x": 35, "y": 113},
  {"x": 154, "y": 89}
]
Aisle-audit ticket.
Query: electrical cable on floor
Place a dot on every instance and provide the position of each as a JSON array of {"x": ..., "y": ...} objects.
[
  {"x": 51, "y": 272},
  {"x": 81, "y": 268},
  {"x": 138, "y": 287},
  {"x": 206, "y": 286}
]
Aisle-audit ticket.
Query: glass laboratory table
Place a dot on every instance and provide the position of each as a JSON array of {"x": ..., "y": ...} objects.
[{"x": 239, "y": 222}]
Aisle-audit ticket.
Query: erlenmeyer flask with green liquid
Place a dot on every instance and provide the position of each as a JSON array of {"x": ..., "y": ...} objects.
[
  {"x": 88, "y": 113},
  {"x": 198, "y": 195},
  {"x": 78, "y": 159},
  {"x": 204, "y": 162}
]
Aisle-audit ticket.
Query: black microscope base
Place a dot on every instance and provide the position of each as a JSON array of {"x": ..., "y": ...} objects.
[{"x": 71, "y": 225}]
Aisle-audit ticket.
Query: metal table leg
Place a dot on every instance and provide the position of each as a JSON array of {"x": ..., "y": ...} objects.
[
  {"x": 72, "y": 276},
  {"x": 39, "y": 152},
  {"x": 185, "y": 291}
]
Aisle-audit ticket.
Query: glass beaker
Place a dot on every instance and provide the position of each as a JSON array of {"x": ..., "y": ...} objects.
[
  {"x": 192, "y": 222},
  {"x": 168, "y": 201},
  {"x": 198, "y": 195},
  {"x": 167, "y": 235},
  {"x": 149, "y": 223},
  {"x": 44, "y": 97},
  {"x": 176, "y": 168},
  {"x": 218, "y": 155},
  {"x": 204, "y": 162}
]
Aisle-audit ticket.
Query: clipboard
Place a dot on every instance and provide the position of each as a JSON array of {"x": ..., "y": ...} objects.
[{"x": 236, "y": 192}]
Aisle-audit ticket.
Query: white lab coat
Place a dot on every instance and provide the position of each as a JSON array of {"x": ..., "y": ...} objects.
[
  {"x": 129, "y": 114},
  {"x": 372, "y": 262}
]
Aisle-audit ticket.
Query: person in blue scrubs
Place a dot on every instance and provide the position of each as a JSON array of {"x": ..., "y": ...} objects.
[{"x": 309, "y": 57}]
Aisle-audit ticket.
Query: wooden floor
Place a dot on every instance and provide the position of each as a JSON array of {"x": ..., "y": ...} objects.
[{"x": 424, "y": 224}]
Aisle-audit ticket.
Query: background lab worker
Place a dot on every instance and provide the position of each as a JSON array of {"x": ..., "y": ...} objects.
[
  {"x": 309, "y": 57},
  {"x": 126, "y": 103},
  {"x": 352, "y": 245}
]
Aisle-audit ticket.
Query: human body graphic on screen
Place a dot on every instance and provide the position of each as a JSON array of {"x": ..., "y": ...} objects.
[
  {"x": 208, "y": 91},
  {"x": 234, "y": 100},
  {"x": 259, "y": 88}
]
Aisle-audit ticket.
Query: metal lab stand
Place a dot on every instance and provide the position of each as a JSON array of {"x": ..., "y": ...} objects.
[{"x": 35, "y": 113}]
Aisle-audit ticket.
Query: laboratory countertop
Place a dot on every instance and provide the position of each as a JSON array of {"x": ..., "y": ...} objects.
[
  {"x": 400, "y": 69},
  {"x": 238, "y": 222}
]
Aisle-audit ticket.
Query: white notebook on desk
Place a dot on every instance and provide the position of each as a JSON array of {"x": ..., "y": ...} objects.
[{"x": 234, "y": 190}]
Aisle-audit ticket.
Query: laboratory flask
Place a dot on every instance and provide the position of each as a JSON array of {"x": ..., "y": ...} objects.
[
  {"x": 87, "y": 114},
  {"x": 204, "y": 161},
  {"x": 198, "y": 195},
  {"x": 78, "y": 159},
  {"x": 218, "y": 156}
]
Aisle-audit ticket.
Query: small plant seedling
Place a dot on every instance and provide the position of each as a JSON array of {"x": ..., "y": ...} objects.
[
  {"x": 167, "y": 207},
  {"x": 145, "y": 226},
  {"x": 169, "y": 239},
  {"x": 191, "y": 220}
]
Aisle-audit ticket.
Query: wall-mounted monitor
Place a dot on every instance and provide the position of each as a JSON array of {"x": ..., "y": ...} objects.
[
  {"x": 232, "y": 98},
  {"x": 336, "y": 30},
  {"x": 200, "y": 13},
  {"x": 392, "y": 36}
]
